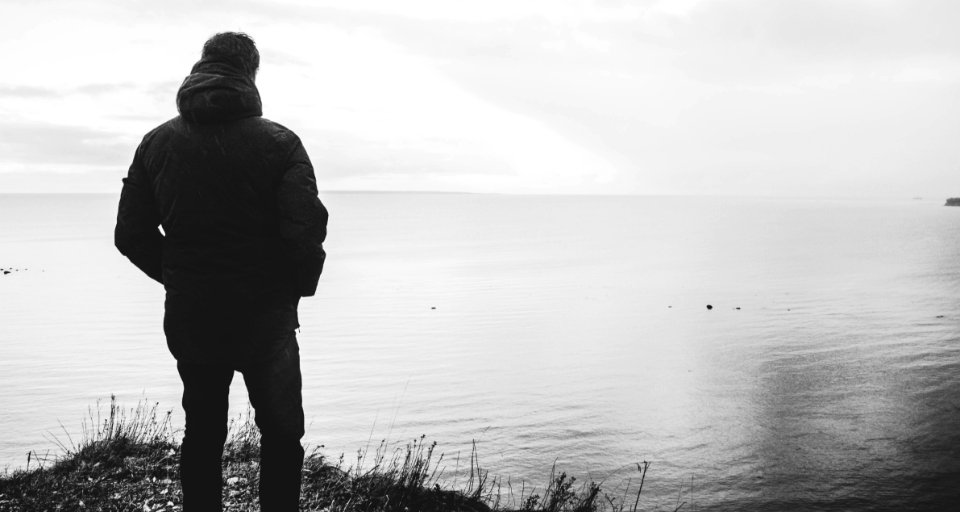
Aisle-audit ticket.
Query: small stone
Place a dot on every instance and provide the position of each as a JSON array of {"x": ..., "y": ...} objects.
[{"x": 709, "y": 306}]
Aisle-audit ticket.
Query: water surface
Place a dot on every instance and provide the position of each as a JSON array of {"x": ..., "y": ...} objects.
[{"x": 558, "y": 329}]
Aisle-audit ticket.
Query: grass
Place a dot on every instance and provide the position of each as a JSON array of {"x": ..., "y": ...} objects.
[
  {"x": 124, "y": 461},
  {"x": 127, "y": 460}
]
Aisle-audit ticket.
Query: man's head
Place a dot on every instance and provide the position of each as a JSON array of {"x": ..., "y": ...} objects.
[{"x": 235, "y": 48}]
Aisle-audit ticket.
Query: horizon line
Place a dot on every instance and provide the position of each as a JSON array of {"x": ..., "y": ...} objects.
[{"x": 547, "y": 194}]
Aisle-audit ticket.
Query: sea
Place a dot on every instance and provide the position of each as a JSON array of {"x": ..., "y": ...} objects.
[{"x": 760, "y": 354}]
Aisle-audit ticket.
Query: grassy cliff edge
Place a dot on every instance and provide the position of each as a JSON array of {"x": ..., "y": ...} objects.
[{"x": 127, "y": 460}]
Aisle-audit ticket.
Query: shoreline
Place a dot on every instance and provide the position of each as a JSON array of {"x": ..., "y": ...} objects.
[{"x": 128, "y": 459}]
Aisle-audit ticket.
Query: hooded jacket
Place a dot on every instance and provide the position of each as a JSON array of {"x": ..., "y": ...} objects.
[{"x": 242, "y": 225}]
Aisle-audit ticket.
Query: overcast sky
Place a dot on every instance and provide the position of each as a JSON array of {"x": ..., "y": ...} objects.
[{"x": 751, "y": 97}]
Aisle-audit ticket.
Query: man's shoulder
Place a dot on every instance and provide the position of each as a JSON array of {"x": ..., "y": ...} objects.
[
  {"x": 278, "y": 131},
  {"x": 257, "y": 127},
  {"x": 162, "y": 129}
]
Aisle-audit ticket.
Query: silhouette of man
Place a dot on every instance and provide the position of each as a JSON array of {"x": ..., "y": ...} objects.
[{"x": 241, "y": 242}]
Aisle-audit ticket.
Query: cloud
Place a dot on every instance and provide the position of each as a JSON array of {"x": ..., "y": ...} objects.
[
  {"x": 751, "y": 41},
  {"x": 26, "y": 91},
  {"x": 36, "y": 145},
  {"x": 105, "y": 88},
  {"x": 643, "y": 96},
  {"x": 779, "y": 95},
  {"x": 8, "y": 91},
  {"x": 829, "y": 29}
]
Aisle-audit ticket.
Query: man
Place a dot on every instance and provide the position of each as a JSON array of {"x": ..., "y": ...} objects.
[{"x": 241, "y": 242}]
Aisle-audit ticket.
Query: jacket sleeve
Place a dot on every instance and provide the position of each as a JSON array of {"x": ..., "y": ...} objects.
[
  {"x": 137, "y": 235},
  {"x": 303, "y": 221}
]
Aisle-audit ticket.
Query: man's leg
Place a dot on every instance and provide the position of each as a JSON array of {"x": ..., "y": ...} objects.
[
  {"x": 206, "y": 390},
  {"x": 275, "y": 393}
]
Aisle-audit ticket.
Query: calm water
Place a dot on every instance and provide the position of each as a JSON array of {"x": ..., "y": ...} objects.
[{"x": 559, "y": 329}]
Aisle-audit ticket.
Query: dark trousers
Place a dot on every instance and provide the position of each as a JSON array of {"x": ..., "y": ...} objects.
[{"x": 274, "y": 387}]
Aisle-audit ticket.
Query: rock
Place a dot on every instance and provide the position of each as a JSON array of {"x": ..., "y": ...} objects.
[
  {"x": 709, "y": 306},
  {"x": 953, "y": 201}
]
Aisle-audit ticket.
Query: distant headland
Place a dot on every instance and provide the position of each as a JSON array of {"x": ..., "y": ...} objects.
[{"x": 953, "y": 201}]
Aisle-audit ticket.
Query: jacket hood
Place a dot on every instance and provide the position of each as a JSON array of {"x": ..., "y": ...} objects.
[{"x": 217, "y": 92}]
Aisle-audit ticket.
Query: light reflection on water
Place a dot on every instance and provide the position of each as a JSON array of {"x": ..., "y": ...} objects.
[{"x": 566, "y": 329}]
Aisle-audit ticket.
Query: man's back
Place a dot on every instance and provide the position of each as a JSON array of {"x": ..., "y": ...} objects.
[
  {"x": 237, "y": 200},
  {"x": 216, "y": 193},
  {"x": 241, "y": 242}
]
